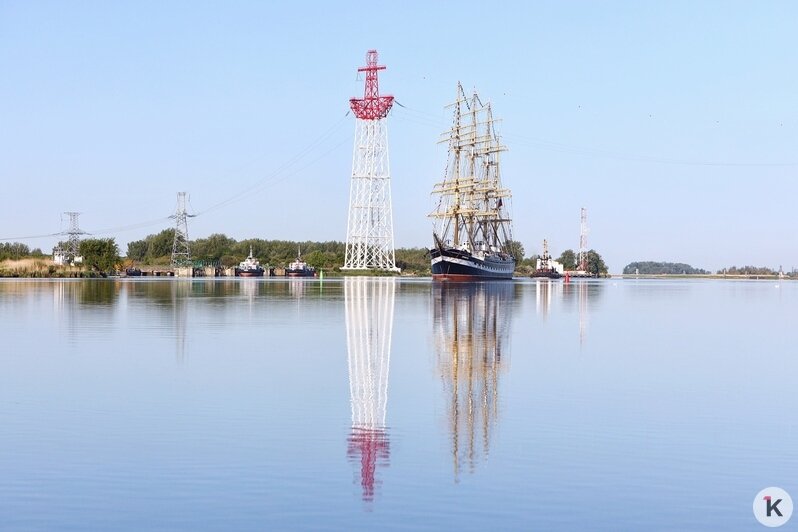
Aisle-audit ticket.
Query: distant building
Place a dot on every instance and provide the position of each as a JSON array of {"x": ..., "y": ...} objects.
[
  {"x": 59, "y": 257},
  {"x": 62, "y": 258}
]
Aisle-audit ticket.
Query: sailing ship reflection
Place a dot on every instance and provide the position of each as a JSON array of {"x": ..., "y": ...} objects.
[
  {"x": 472, "y": 326},
  {"x": 369, "y": 321}
]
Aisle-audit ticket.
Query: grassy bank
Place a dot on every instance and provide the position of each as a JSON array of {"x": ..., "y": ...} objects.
[{"x": 41, "y": 268}]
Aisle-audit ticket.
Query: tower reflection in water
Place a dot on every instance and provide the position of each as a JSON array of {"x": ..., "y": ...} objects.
[
  {"x": 582, "y": 292},
  {"x": 472, "y": 328},
  {"x": 369, "y": 321}
]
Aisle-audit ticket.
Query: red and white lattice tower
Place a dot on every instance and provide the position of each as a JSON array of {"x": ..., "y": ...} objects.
[
  {"x": 582, "y": 263},
  {"x": 369, "y": 233}
]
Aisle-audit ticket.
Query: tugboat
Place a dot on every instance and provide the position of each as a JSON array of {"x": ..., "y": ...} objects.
[
  {"x": 250, "y": 267},
  {"x": 546, "y": 267},
  {"x": 473, "y": 230},
  {"x": 299, "y": 268}
]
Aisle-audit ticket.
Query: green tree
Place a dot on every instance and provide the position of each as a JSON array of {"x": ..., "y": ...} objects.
[
  {"x": 137, "y": 250},
  {"x": 568, "y": 259},
  {"x": 13, "y": 250},
  {"x": 413, "y": 260},
  {"x": 213, "y": 248},
  {"x": 160, "y": 245},
  {"x": 748, "y": 270},
  {"x": 100, "y": 254},
  {"x": 595, "y": 264},
  {"x": 316, "y": 259},
  {"x": 658, "y": 268},
  {"x": 516, "y": 249}
]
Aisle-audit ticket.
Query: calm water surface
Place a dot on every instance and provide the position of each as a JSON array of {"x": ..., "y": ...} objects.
[{"x": 389, "y": 403}]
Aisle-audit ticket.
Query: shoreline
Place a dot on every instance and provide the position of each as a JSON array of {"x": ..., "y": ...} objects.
[
  {"x": 719, "y": 276},
  {"x": 338, "y": 275},
  {"x": 38, "y": 268}
]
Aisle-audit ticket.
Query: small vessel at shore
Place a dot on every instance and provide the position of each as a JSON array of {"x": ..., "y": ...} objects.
[
  {"x": 472, "y": 231},
  {"x": 546, "y": 267},
  {"x": 249, "y": 267},
  {"x": 300, "y": 268}
]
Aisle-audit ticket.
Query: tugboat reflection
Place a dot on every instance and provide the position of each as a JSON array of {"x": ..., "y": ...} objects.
[
  {"x": 579, "y": 292},
  {"x": 472, "y": 328},
  {"x": 369, "y": 321},
  {"x": 585, "y": 293},
  {"x": 543, "y": 291}
]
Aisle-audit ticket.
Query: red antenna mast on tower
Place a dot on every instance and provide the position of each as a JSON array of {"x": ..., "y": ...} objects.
[{"x": 372, "y": 106}]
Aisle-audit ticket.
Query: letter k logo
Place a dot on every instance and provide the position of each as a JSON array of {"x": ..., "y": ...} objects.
[{"x": 772, "y": 506}]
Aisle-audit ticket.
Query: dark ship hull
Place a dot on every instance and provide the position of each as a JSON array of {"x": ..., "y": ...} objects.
[
  {"x": 546, "y": 274},
  {"x": 249, "y": 273},
  {"x": 303, "y": 272},
  {"x": 457, "y": 265}
]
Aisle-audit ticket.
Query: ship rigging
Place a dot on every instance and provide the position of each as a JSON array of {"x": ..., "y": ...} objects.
[{"x": 472, "y": 226}]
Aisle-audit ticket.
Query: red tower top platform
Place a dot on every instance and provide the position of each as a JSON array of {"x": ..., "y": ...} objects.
[{"x": 372, "y": 106}]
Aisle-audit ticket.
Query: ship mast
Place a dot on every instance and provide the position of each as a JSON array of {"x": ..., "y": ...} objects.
[
  {"x": 471, "y": 208},
  {"x": 456, "y": 147}
]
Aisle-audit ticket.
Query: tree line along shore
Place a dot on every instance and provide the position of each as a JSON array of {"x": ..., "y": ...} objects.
[{"x": 101, "y": 257}]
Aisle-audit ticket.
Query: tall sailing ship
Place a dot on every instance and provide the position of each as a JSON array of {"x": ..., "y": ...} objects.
[{"x": 472, "y": 227}]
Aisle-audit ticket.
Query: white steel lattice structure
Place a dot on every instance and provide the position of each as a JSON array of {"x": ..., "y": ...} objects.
[
  {"x": 181, "y": 253},
  {"x": 74, "y": 232},
  {"x": 71, "y": 253},
  {"x": 369, "y": 307},
  {"x": 369, "y": 234},
  {"x": 582, "y": 260}
]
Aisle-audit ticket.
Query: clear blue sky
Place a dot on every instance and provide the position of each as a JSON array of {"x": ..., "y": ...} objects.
[{"x": 674, "y": 123}]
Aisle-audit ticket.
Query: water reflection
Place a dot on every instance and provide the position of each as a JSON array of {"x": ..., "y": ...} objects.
[
  {"x": 171, "y": 299},
  {"x": 582, "y": 292},
  {"x": 84, "y": 307},
  {"x": 472, "y": 328},
  {"x": 180, "y": 290},
  {"x": 369, "y": 321},
  {"x": 94, "y": 292},
  {"x": 543, "y": 292},
  {"x": 249, "y": 289},
  {"x": 297, "y": 287}
]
